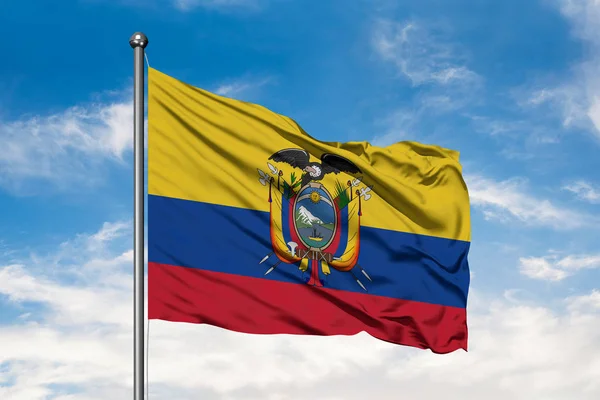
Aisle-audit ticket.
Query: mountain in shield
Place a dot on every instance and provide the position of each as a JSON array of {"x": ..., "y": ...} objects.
[{"x": 306, "y": 218}]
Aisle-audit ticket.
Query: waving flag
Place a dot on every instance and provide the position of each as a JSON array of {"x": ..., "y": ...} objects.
[{"x": 254, "y": 226}]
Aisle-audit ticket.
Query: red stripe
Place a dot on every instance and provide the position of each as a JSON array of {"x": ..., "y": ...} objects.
[{"x": 261, "y": 306}]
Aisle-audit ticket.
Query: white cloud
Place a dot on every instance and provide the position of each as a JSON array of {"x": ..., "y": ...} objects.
[
  {"x": 584, "y": 191},
  {"x": 240, "y": 87},
  {"x": 593, "y": 112},
  {"x": 191, "y": 5},
  {"x": 576, "y": 98},
  {"x": 80, "y": 339},
  {"x": 508, "y": 200},
  {"x": 187, "y": 5},
  {"x": 397, "y": 126},
  {"x": 585, "y": 15},
  {"x": 64, "y": 148},
  {"x": 513, "y": 356},
  {"x": 524, "y": 132},
  {"x": 554, "y": 268},
  {"x": 567, "y": 100},
  {"x": 541, "y": 268},
  {"x": 578, "y": 304},
  {"x": 435, "y": 67},
  {"x": 403, "y": 123},
  {"x": 422, "y": 55}
]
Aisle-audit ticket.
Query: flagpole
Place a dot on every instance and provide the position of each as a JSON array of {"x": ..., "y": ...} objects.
[{"x": 138, "y": 43}]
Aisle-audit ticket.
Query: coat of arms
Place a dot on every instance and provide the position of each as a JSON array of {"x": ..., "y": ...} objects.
[{"x": 312, "y": 226}]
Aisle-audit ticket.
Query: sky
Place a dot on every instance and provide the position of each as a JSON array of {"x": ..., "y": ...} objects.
[{"x": 512, "y": 85}]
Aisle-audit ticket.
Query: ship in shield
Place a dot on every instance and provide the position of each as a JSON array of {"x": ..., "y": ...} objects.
[{"x": 316, "y": 236}]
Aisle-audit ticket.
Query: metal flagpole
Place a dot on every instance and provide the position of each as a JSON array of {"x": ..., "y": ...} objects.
[{"x": 138, "y": 42}]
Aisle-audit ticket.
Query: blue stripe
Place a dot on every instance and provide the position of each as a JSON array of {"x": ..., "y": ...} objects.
[{"x": 233, "y": 240}]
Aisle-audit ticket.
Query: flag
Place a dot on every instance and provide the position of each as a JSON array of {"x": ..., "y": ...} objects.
[{"x": 255, "y": 226}]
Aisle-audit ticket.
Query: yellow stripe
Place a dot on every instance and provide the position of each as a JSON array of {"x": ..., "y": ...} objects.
[{"x": 207, "y": 148}]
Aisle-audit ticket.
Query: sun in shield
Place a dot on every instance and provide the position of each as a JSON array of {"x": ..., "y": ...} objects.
[{"x": 315, "y": 218}]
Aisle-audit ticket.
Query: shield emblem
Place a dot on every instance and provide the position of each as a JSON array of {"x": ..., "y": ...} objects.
[{"x": 315, "y": 217}]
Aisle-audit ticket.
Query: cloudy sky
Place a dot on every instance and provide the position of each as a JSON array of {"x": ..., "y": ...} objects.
[{"x": 512, "y": 85}]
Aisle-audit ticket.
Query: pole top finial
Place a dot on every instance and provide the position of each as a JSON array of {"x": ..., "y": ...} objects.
[{"x": 138, "y": 39}]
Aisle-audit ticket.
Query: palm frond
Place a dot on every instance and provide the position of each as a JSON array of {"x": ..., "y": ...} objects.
[{"x": 342, "y": 197}]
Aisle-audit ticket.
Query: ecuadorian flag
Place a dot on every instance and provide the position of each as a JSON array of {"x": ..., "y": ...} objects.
[{"x": 256, "y": 227}]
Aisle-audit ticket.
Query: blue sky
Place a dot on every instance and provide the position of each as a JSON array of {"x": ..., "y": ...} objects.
[{"x": 512, "y": 85}]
